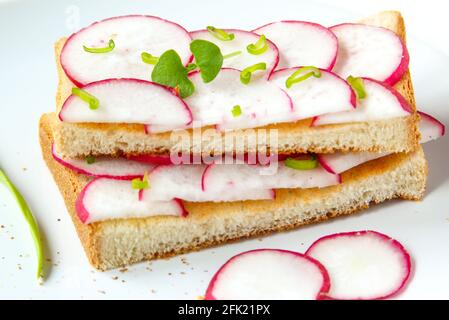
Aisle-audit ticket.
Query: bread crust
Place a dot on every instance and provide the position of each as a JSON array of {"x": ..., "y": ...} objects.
[
  {"x": 398, "y": 135},
  {"x": 115, "y": 243}
]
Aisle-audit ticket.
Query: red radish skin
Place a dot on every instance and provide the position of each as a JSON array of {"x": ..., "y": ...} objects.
[
  {"x": 330, "y": 61},
  {"x": 244, "y": 59},
  {"x": 83, "y": 214},
  {"x": 325, "y": 281},
  {"x": 81, "y": 82},
  {"x": 396, "y": 73},
  {"x": 355, "y": 236},
  {"x": 86, "y": 115},
  {"x": 156, "y": 160},
  {"x": 431, "y": 122}
]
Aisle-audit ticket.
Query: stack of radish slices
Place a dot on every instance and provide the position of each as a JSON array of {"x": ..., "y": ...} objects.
[
  {"x": 354, "y": 265},
  {"x": 117, "y": 64}
]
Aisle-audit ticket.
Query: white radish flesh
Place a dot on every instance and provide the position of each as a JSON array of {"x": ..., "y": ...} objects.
[
  {"x": 241, "y": 40},
  {"x": 381, "y": 102},
  {"x": 105, "y": 199},
  {"x": 340, "y": 162},
  {"x": 260, "y": 101},
  {"x": 362, "y": 265},
  {"x": 302, "y": 43},
  {"x": 128, "y": 101},
  {"x": 132, "y": 35},
  {"x": 105, "y": 167},
  {"x": 316, "y": 96},
  {"x": 269, "y": 274},
  {"x": 368, "y": 51}
]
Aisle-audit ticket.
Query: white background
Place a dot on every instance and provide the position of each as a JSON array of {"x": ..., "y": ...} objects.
[{"x": 27, "y": 89}]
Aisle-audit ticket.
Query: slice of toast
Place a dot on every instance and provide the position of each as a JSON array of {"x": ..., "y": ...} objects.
[
  {"x": 397, "y": 135},
  {"x": 116, "y": 243}
]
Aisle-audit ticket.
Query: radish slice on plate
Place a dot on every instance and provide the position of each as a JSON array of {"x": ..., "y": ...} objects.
[
  {"x": 269, "y": 274},
  {"x": 381, "y": 102},
  {"x": 373, "y": 52},
  {"x": 185, "y": 182},
  {"x": 316, "y": 96},
  {"x": 132, "y": 35},
  {"x": 219, "y": 178},
  {"x": 105, "y": 199},
  {"x": 128, "y": 101},
  {"x": 260, "y": 102},
  {"x": 105, "y": 167},
  {"x": 241, "y": 40},
  {"x": 302, "y": 43},
  {"x": 363, "y": 264},
  {"x": 430, "y": 128}
]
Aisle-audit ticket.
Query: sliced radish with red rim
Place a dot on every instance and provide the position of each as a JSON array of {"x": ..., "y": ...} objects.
[
  {"x": 372, "y": 52},
  {"x": 269, "y": 274},
  {"x": 381, "y": 102},
  {"x": 430, "y": 128},
  {"x": 316, "y": 96},
  {"x": 362, "y": 264},
  {"x": 241, "y": 40},
  {"x": 128, "y": 101},
  {"x": 132, "y": 35},
  {"x": 105, "y": 199},
  {"x": 302, "y": 43}
]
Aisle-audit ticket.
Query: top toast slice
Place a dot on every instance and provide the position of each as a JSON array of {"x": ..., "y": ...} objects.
[{"x": 392, "y": 135}]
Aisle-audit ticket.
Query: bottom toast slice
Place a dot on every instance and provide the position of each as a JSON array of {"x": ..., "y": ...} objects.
[{"x": 115, "y": 243}]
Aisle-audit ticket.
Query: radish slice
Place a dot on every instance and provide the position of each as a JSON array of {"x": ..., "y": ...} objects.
[
  {"x": 267, "y": 274},
  {"x": 340, "y": 162},
  {"x": 260, "y": 101},
  {"x": 105, "y": 199},
  {"x": 363, "y": 264},
  {"x": 430, "y": 128},
  {"x": 302, "y": 43},
  {"x": 317, "y": 96},
  {"x": 105, "y": 167},
  {"x": 185, "y": 182},
  {"x": 381, "y": 102},
  {"x": 373, "y": 52},
  {"x": 132, "y": 35},
  {"x": 128, "y": 101},
  {"x": 241, "y": 40},
  {"x": 224, "y": 178}
]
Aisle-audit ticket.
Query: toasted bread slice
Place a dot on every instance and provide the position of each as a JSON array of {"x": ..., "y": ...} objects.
[
  {"x": 394, "y": 135},
  {"x": 115, "y": 243}
]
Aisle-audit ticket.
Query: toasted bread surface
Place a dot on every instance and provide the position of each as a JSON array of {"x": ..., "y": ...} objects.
[
  {"x": 392, "y": 135},
  {"x": 114, "y": 243}
]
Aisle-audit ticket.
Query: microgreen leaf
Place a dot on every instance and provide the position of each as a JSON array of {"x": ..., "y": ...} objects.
[
  {"x": 236, "y": 111},
  {"x": 302, "y": 74},
  {"x": 90, "y": 159},
  {"x": 191, "y": 67},
  {"x": 302, "y": 164},
  {"x": 208, "y": 57},
  {"x": 259, "y": 47},
  {"x": 93, "y": 102},
  {"x": 245, "y": 75},
  {"x": 358, "y": 86},
  {"x": 220, "y": 34},
  {"x": 149, "y": 58},
  {"x": 140, "y": 184},
  {"x": 108, "y": 48},
  {"x": 34, "y": 228},
  {"x": 169, "y": 71}
]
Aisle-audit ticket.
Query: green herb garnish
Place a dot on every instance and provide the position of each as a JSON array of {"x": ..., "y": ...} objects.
[
  {"x": 220, "y": 34},
  {"x": 358, "y": 86},
  {"x": 245, "y": 75},
  {"x": 191, "y": 67},
  {"x": 93, "y": 102},
  {"x": 301, "y": 74},
  {"x": 302, "y": 164},
  {"x": 259, "y": 47},
  {"x": 109, "y": 48},
  {"x": 208, "y": 58},
  {"x": 90, "y": 159},
  {"x": 140, "y": 184},
  {"x": 169, "y": 71},
  {"x": 34, "y": 228},
  {"x": 232, "y": 54},
  {"x": 149, "y": 58},
  {"x": 236, "y": 111}
]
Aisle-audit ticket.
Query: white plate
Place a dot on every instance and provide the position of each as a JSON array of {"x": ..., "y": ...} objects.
[{"x": 27, "y": 89}]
